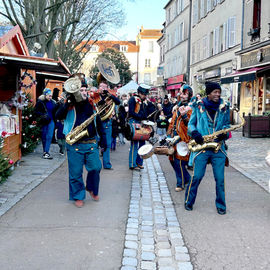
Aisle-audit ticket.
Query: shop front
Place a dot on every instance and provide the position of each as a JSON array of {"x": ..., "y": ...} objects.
[
  {"x": 174, "y": 84},
  {"x": 18, "y": 82},
  {"x": 254, "y": 81}
]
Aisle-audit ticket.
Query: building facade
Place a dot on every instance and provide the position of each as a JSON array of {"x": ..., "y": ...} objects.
[
  {"x": 128, "y": 48},
  {"x": 148, "y": 56},
  {"x": 176, "y": 44},
  {"x": 215, "y": 37},
  {"x": 253, "y": 72}
]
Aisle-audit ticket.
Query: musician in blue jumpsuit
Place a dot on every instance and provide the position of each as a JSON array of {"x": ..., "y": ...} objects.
[
  {"x": 107, "y": 123},
  {"x": 85, "y": 151},
  {"x": 137, "y": 111},
  {"x": 209, "y": 115}
]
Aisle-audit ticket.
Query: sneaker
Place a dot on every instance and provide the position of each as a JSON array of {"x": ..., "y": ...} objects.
[
  {"x": 221, "y": 211},
  {"x": 177, "y": 189},
  {"x": 61, "y": 153},
  {"x": 47, "y": 156},
  {"x": 188, "y": 207}
]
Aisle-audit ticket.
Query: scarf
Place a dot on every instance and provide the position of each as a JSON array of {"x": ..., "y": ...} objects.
[{"x": 211, "y": 106}]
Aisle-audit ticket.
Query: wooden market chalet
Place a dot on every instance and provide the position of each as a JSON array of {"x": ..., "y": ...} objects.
[{"x": 20, "y": 72}]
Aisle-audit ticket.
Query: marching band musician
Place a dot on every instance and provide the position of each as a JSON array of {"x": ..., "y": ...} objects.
[
  {"x": 75, "y": 111},
  {"x": 107, "y": 123},
  {"x": 209, "y": 115},
  {"x": 137, "y": 111},
  {"x": 178, "y": 126}
]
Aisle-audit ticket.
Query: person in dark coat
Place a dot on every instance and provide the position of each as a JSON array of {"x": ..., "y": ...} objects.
[
  {"x": 167, "y": 107},
  {"x": 45, "y": 110}
]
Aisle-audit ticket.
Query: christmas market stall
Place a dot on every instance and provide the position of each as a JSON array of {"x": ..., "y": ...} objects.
[{"x": 22, "y": 79}]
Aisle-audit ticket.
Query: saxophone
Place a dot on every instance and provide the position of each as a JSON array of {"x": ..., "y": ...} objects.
[
  {"x": 209, "y": 140},
  {"x": 80, "y": 131}
]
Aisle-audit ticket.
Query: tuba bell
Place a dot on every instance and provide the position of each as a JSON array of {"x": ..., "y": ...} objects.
[
  {"x": 73, "y": 86},
  {"x": 107, "y": 72}
]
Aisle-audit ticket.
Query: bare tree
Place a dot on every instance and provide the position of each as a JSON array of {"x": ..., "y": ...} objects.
[{"x": 64, "y": 28}]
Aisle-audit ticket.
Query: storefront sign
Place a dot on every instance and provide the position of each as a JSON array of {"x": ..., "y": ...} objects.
[
  {"x": 176, "y": 79},
  {"x": 212, "y": 73},
  {"x": 256, "y": 57}
]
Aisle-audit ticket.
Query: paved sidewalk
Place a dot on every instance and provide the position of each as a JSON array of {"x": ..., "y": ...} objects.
[
  {"x": 29, "y": 173},
  {"x": 247, "y": 155},
  {"x": 153, "y": 237}
]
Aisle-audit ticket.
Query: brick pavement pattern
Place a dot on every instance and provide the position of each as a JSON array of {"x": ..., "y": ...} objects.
[
  {"x": 153, "y": 237},
  {"x": 247, "y": 155}
]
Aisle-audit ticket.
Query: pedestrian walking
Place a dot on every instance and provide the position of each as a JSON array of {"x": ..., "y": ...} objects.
[
  {"x": 209, "y": 115},
  {"x": 45, "y": 111}
]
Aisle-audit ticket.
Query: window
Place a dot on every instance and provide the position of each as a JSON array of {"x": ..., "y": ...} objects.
[
  {"x": 147, "y": 63},
  {"x": 209, "y": 6},
  {"x": 150, "y": 46},
  {"x": 231, "y": 32},
  {"x": 211, "y": 42},
  {"x": 216, "y": 48},
  {"x": 181, "y": 32},
  {"x": 198, "y": 51},
  {"x": 195, "y": 12},
  {"x": 168, "y": 41},
  {"x": 214, "y": 3},
  {"x": 221, "y": 38},
  {"x": 169, "y": 15},
  {"x": 202, "y": 9},
  {"x": 147, "y": 78},
  {"x": 204, "y": 48},
  {"x": 257, "y": 14},
  {"x": 193, "y": 53},
  {"x": 180, "y": 5},
  {"x": 123, "y": 48}
]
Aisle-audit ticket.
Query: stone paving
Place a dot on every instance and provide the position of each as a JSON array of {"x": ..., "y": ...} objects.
[
  {"x": 153, "y": 237},
  {"x": 28, "y": 174},
  {"x": 247, "y": 155}
]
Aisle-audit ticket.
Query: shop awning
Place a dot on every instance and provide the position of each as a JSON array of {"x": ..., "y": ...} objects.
[
  {"x": 244, "y": 75},
  {"x": 174, "y": 86},
  {"x": 53, "y": 75},
  {"x": 34, "y": 63}
]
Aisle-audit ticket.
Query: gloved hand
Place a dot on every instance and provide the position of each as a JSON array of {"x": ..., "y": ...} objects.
[
  {"x": 71, "y": 99},
  {"x": 197, "y": 136},
  {"x": 221, "y": 137}
]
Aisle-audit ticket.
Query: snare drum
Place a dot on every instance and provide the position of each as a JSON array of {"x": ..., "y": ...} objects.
[
  {"x": 139, "y": 132},
  {"x": 146, "y": 151}
]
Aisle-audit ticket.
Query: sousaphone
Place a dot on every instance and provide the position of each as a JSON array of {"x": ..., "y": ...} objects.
[{"x": 108, "y": 72}]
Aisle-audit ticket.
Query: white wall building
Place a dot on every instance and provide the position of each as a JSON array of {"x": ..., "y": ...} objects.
[
  {"x": 148, "y": 56},
  {"x": 128, "y": 48}
]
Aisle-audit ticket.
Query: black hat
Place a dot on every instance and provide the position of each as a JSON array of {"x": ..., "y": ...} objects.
[
  {"x": 211, "y": 86},
  {"x": 143, "y": 89},
  {"x": 166, "y": 97}
]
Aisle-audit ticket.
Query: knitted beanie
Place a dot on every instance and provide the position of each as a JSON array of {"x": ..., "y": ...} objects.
[{"x": 211, "y": 86}]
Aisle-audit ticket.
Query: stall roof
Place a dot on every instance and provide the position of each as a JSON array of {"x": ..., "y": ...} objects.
[
  {"x": 34, "y": 63},
  {"x": 244, "y": 75}
]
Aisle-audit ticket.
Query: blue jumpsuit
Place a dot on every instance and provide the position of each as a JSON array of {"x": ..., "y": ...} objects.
[
  {"x": 85, "y": 151},
  {"x": 202, "y": 122}
]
